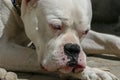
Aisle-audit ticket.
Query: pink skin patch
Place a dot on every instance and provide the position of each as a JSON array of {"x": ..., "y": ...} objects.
[{"x": 79, "y": 68}]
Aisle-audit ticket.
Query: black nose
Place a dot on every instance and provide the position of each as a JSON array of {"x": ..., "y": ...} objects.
[{"x": 71, "y": 49}]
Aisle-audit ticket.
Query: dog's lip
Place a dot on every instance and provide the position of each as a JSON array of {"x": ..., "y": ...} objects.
[
  {"x": 67, "y": 69},
  {"x": 78, "y": 68},
  {"x": 46, "y": 70}
]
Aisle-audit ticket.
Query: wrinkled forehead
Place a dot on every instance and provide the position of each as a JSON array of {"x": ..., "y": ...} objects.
[
  {"x": 72, "y": 11},
  {"x": 57, "y": 8}
]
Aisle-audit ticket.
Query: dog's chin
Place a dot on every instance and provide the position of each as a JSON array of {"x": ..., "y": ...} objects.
[
  {"x": 76, "y": 69},
  {"x": 66, "y": 69}
]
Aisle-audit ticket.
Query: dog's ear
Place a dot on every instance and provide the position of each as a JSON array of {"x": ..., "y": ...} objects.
[
  {"x": 30, "y": 2},
  {"x": 27, "y": 4},
  {"x": 27, "y": 1}
]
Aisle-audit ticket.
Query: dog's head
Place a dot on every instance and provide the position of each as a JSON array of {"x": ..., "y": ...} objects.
[{"x": 57, "y": 27}]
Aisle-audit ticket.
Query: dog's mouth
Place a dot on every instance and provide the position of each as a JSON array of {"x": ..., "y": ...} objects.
[
  {"x": 75, "y": 69},
  {"x": 67, "y": 69}
]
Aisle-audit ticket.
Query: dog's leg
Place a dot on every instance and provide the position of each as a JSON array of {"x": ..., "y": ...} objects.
[
  {"x": 99, "y": 43},
  {"x": 16, "y": 58},
  {"x": 95, "y": 74}
]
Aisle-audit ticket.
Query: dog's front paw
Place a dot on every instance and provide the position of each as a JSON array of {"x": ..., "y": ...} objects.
[
  {"x": 4, "y": 75},
  {"x": 95, "y": 74}
]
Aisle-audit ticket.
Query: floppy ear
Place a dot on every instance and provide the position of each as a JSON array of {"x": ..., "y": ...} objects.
[
  {"x": 27, "y": 4},
  {"x": 27, "y": 1},
  {"x": 30, "y": 2}
]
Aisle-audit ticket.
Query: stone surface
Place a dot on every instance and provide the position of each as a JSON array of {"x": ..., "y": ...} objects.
[{"x": 107, "y": 62}]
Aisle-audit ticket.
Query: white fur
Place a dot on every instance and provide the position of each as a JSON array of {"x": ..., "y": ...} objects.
[{"x": 36, "y": 16}]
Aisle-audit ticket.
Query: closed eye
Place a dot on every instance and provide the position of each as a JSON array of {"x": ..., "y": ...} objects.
[
  {"x": 85, "y": 32},
  {"x": 56, "y": 29},
  {"x": 56, "y": 26}
]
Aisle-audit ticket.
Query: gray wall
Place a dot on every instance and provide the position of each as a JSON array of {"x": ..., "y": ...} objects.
[{"x": 106, "y": 16}]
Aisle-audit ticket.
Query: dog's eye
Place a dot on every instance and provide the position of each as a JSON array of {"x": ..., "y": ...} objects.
[
  {"x": 56, "y": 26},
  {"x": 83, "y": 34},
  {"x": 86, "y": 31}
]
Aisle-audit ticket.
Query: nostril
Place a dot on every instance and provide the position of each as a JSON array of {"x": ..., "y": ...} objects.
[{"x": 71, "y": 48}]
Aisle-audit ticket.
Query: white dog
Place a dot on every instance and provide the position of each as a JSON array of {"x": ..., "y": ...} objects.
[{"x": 57, "y": 28}]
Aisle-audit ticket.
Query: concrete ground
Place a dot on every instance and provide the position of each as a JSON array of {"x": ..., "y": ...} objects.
[
  {"x": 100, "y": 61},
  {"x": 106, "y": 61}
]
